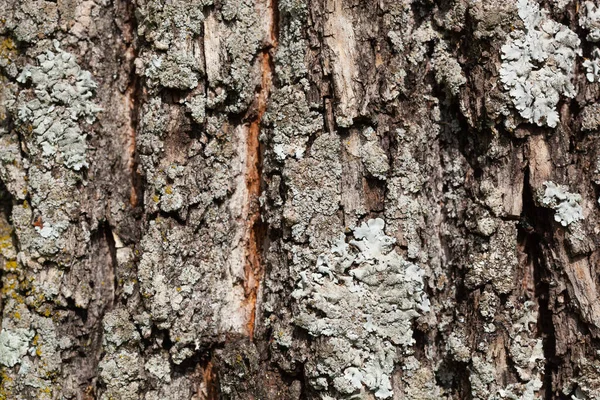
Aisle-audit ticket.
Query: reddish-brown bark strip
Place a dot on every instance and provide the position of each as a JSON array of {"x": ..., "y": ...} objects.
[{"x": 253, "y": 268}]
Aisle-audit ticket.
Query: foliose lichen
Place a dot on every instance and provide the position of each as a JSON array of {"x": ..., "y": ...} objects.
[
  {"x": 566, "y": 205},
  {"x": 13, "y": 345},
  {"x": 589, "y": 20},
  {"x": 592, "y": 66},
  {"x": 62, "y": 93},
  {"x": 538, "y": 64},
  {"x": 360, "y": 300}
]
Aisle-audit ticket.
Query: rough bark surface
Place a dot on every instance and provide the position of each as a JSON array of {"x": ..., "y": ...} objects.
[{"x": 299, "y": 199}]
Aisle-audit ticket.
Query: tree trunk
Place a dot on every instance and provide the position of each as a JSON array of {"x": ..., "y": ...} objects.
[{"x": 294, "y": 199}]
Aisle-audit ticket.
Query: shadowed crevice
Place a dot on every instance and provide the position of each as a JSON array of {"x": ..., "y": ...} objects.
[{"x": 534, "y": 223}]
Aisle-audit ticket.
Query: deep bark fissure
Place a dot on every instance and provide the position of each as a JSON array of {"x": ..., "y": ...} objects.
[
  {"x": 532, "y": 227},
  {"x": 210, "y": 380},
  {"x": 112, "y": 248},
  {"x": 134, "y": 98}
]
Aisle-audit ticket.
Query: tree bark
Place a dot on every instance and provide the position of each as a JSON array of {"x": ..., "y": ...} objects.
[{"x": 294, "y": 199}]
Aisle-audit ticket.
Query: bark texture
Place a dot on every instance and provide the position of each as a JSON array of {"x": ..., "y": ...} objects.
[{"x": 299, "y": 199}]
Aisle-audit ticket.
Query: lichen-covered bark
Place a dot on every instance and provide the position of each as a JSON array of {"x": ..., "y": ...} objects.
[{"x": 298, "y": 199}]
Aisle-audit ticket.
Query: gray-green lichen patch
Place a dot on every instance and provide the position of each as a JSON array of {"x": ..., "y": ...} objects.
[
  {"x": 360, "y": 300},
  {"x": 121, "y": 372},
  {"x": 30, "y": 20},
  {"x": 197, "y": 108},
  {"x": 592, "y": 66},
  {"x": 176, "y": 70},
  {"x": 121, "y": 368},
  {"x": 525, "y": 352},
  {"x": 62, "y": 94},
  {"x": 538, "y": 64},
  {"x": 51, "y": 211},
  {"x": 496, "y": 261},
  {"x": 586, "y": 384},
  {"x": 312, "y": 194},
  {"x": 118, "y": 330},
  {"x": 374, "y": 158},
  {"x": 292, "y": 121},
  {"x": 565, "y": 204},
  {"x": 589, "y": 19},
  {"x": 14, "y": 344},
  {"x": 27, "y": 338},
  {"x": 174, "y": 28},
  {"x": 167, "y": 23},
  {"x": 447, "y": 69},
  {"x": 289, "y": 58},
  {"x": 159, "y": 367}
]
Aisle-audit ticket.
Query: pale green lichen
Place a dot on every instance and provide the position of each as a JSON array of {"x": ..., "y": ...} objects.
[
  {"x": 13, "y": 345},
  {"x": 360, "y": 300},
  {"x": 538, "y": 64},
  {"x": 589, "y": 19},
  {"x": 566, "y": 204},
  {"x": 592, "y": 66},
  {"x": 62, "y": 99}
]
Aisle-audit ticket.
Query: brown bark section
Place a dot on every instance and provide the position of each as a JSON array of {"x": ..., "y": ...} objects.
[{"x": 367, "y": 101}]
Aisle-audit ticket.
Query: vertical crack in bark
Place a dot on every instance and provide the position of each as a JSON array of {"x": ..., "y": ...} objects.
[
  {"x": 209, "y": 378},
  {"x": 255, "y": 228},
  {"x": 133, "y": 95},
  {"x": 533, "y": 226},
  {"x": 7, "y": 233},
  {"x": 112, "y": 249}
]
